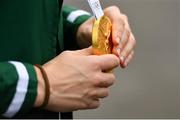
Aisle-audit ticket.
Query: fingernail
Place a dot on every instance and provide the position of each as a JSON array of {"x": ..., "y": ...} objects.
[
  {"x": 120, "y": 46},
  {"x": 118, "y": 40},
  {"x": 122, "y": 58},
  {"x": 125, "y": 64},
  {"x": 118, "y": 51}
]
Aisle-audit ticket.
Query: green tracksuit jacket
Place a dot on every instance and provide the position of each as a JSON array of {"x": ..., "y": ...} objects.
[{"x": 31, "y": 32}]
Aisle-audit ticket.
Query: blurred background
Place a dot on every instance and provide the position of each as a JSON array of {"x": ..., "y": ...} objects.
[{"x": 150, "y": 86}]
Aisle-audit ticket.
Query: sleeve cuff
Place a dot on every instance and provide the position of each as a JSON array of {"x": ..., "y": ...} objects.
[
  {"x": 25, "y": 90},
  {"x": 72, "y": 19}
]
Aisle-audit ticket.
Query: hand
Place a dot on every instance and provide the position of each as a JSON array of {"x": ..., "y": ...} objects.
[
  {"x": 122, "y": 36},
  {"x": 77, "y": 80}
]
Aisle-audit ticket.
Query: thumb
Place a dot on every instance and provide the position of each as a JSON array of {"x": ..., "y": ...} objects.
[
  {"x": 86, "y": 51},
  {"x": 108, "y": 62}
]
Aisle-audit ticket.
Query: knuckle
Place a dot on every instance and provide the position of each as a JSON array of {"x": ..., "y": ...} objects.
[
  {"x": 97, "y": 82},
  {"x": 120, "y": 32},
  {"x": 128, "y": 33},
  {"x": 125, "y": 17},
  {"x": 133, "y": 42},
  {"x": 91, "y": 104},
  {"x": 132, "y": 54},
  {"x": 100, "y": 80},
  {"x": 93, "y": 94},
  {"x": 96, "y": 64},
  {"x": 85, "y": 105},
  {"x": 106, "y": 93},
  {"x": 104, "y": 81},
  {"x": 114, "y": 7},
  {"x": 112, "y": 81},
  {"x": 121, "y": 21},
  {"x": 129, "y": 58},
  {"x": 115, "y": 59},
  {"x": 97, "y": 79},
  {"x": 66, "y": 52},
  {"x": 133, "y": 37},
  {"x": 113, "y": 78},
  {"x": 95, "y": 105}
]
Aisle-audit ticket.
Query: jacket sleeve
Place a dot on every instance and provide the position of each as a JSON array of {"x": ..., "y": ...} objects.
[
  {"x": 72, "y": 19},
  {"x": 18, "y": 88}
]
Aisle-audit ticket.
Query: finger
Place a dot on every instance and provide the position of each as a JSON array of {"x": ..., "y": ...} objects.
[
  {"x": 101, "y": 92},
  {"x": 124, "y": 39},
  {"x": 117, "y": 49},
  {"x": 95, "y": 104},
  {"x": 105, "y": 80},
  {"x": 127, "y": 49},
  {"x": 86, "y": 51},
  {"x": 90, "y": 103},
  {"x": 118, "y": 23},
  {"x": 107, "y": 62},
  {"x": 128, "y": 59},
  {"x": 118, "y": 26},
  {"x": 125, "y": 18}
]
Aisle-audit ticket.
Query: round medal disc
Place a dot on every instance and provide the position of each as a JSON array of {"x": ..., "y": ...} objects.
[{"x": 101, "y": 36}]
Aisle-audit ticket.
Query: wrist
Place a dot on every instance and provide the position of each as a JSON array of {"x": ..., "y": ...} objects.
[
  {"x": 40, "y": 88},
  {"x": 84, "y": 34}
]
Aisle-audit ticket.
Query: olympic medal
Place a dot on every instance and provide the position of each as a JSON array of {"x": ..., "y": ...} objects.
[{"x": 102, "y": 36}]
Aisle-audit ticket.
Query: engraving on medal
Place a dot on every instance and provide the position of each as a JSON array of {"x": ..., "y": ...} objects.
[
  {"x": 101, "y": 40},
  {"x": 101, "y": 34}
]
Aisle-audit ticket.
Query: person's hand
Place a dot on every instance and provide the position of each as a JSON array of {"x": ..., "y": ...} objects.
[
  {"x": 77, "y": 80},
  {"x": 122, "y": 36}
]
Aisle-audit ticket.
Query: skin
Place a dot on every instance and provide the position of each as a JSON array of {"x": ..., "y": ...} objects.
[
  {"x": 122, "y": 36},
  {"x": 77, "y": 80}
]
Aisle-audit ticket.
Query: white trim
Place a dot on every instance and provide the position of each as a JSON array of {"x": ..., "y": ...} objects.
[
  {"x": 96, "y": 8},
  {"x": 59, "y": 116},
  {"x": 21, "y": 90},
  {"x": 75, "y": 14}
]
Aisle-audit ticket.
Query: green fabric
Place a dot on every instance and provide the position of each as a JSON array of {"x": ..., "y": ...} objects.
[
  {"x": 32, "y": 91},
  {"x": 8, "y": 87},
  {"x": 33, "y": 32},
  {"x": 70, "y": 29},
  {"x": 28, "y": 30}
]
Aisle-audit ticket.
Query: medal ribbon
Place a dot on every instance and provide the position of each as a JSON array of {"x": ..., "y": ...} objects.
[{"x": 96, "y": 8}]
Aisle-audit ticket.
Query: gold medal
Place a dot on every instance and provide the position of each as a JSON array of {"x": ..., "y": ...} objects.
[
  {"x": 102, "y": 37},
  {"x": 102, "y": 31}
]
